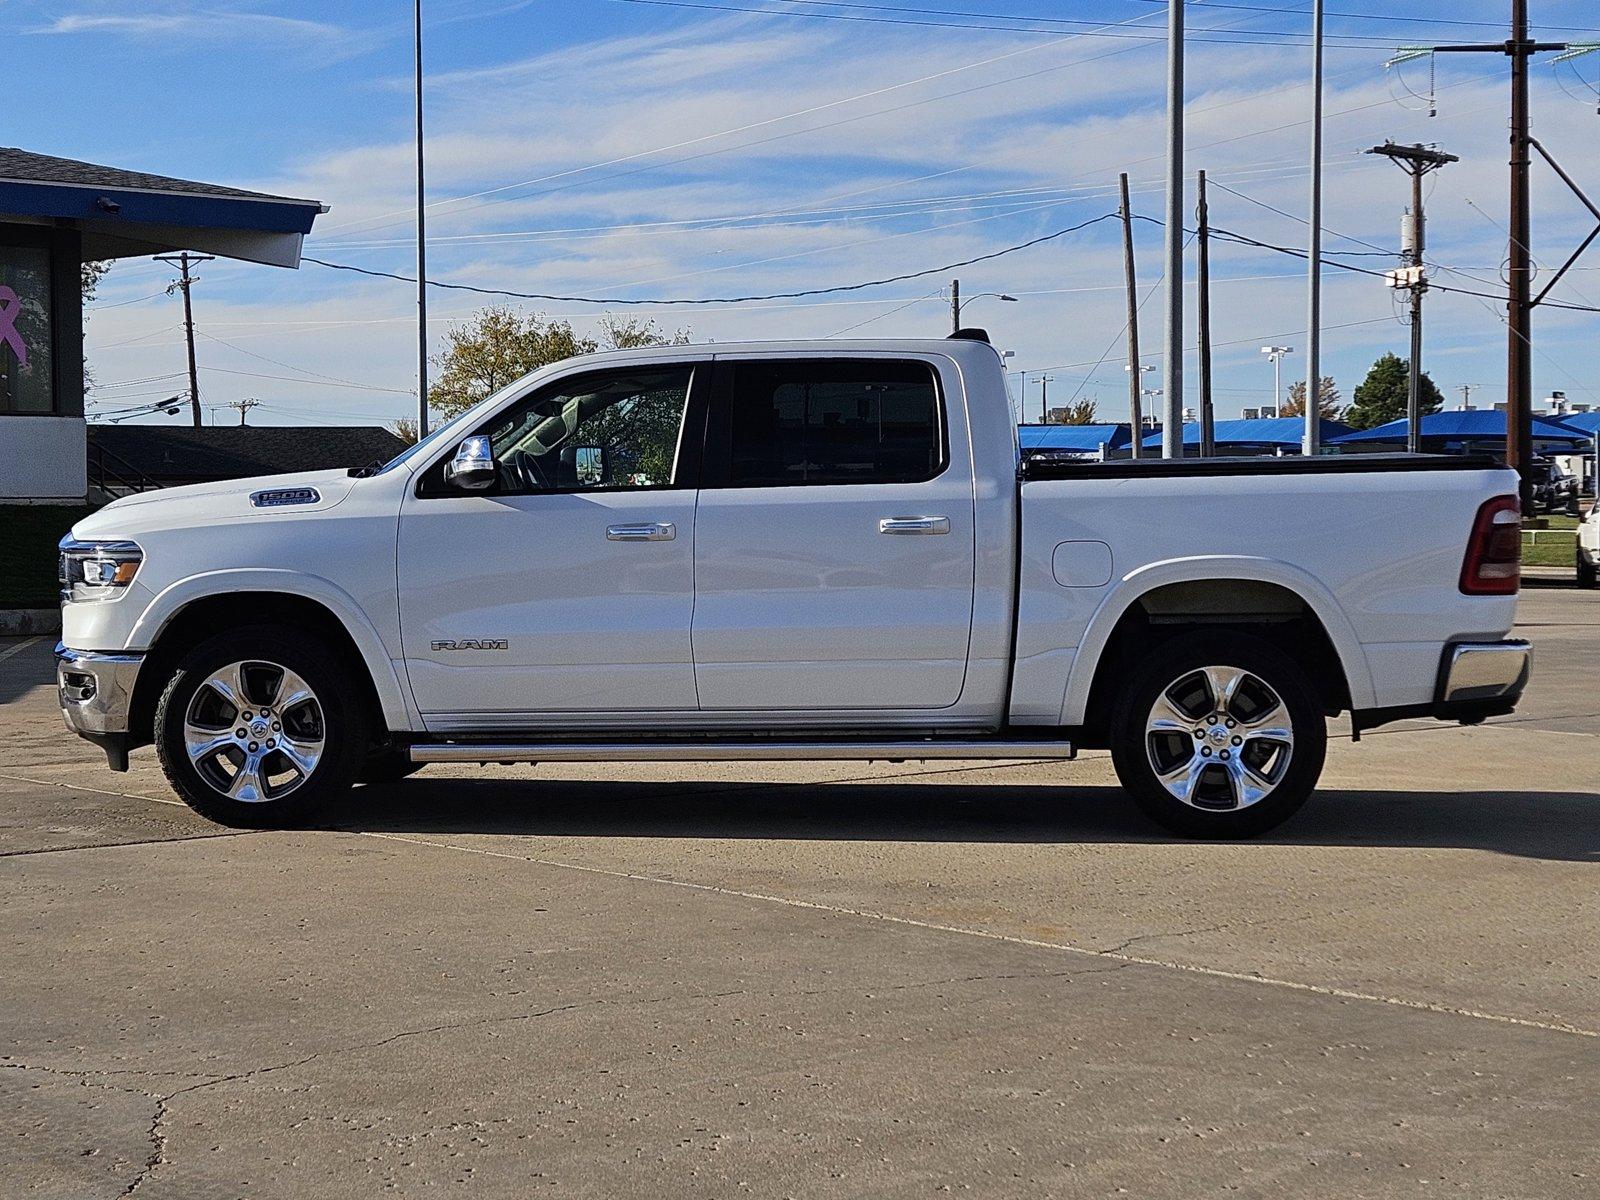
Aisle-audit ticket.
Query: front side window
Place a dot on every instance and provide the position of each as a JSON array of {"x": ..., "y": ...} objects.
[
  {"x": 833, "y": 421},
  {"x": 26, "y": 368},
  {"x": 619, "y": 429}
]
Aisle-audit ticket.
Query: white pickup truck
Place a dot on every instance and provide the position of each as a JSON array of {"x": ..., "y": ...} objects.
[{"x": 786, "y": 550}]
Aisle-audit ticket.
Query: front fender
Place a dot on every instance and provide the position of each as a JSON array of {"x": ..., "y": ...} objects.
[
  {"x": 1201, "y": 568},
  {"x": 176, "y": 596}
]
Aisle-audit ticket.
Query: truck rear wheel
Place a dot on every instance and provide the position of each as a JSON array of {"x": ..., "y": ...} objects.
[
  {"x": 1218, "y": 735},
  {"x": 260, "y": 728}
]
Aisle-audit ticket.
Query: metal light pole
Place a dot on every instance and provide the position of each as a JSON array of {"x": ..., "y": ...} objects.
[
  {"x": 1172, "y": 427},
  {"x": 1276, "y": 355},
  {"x": 957, "y": 303},
  {"x": 422, "y": 246},
  {"x": 1311, "y": 441}
]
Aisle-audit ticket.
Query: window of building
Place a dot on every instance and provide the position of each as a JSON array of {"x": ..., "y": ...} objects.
[
  {"x": 27, "y": 378},
  {"x": 833, "y": 421}
]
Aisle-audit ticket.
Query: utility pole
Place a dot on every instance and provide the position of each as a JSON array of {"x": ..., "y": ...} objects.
[
  {"x": 1135, "y": 376},
  {"x": 1311, "y": 440},
  {"x": 1417, "y": 161},
  {"x": 422, "y": 246},
  {"x": 243, "y": 406},
  {"x": 955, "y": 306},
  {"x": 1044, "y": 398},
  {"x": 1172, "y": 427},
  {"x": 1519, "y": 48},
  {"x": 1208, "y": 440},
  {"x": 183, "y": 283},
  {"x": 1466, "y": 397}
]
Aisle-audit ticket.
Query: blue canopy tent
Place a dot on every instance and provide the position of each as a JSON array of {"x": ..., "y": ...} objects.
[
  {"x": 1262, "y": 435},
  {"x": 1587, "y": 423},
  {"x": 1073, "y": 439},
  {"x": 1461, "y": 430}
]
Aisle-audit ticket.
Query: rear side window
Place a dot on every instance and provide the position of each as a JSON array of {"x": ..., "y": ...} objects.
[{"x": 832, "y": 421}]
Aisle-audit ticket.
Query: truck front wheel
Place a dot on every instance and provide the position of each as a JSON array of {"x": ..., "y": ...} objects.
[
  {"x": 260, "y": 728},
  {"x": 1218, "y": 735}
]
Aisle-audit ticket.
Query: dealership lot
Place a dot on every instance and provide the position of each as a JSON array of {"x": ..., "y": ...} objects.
[{"x": 828, "y": 980}]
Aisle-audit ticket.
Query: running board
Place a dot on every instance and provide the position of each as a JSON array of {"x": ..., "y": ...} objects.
[{"x": 736, "y": 751}]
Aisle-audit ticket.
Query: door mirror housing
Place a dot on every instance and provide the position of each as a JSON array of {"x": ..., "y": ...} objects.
[{"x": 473, "y": 467}]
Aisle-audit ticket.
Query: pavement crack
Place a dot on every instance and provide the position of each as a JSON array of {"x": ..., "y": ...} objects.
[{"x": 192, "y": 837}]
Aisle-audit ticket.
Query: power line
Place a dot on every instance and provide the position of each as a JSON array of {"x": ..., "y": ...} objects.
[{"x": 679, "y": 300}]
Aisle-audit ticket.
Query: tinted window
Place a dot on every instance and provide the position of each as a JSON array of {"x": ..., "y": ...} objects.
[
  {"x": 831, "y": 421},
  {"x": 613, "y": 430}
]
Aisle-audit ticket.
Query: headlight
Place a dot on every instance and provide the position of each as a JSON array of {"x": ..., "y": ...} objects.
[{"x": 96, "y": 570}]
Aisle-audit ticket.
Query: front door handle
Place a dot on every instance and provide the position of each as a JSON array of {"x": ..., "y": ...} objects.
[
  {"x": 652, "y": 531},
  {"x": 914, "y": 525}
]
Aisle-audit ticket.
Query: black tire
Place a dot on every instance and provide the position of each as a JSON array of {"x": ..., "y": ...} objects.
[
  {"x": 1586, "y": 570},
  {"x": 335, "y": 712},
  {"x": 388, "y": 766},
  {"x": 1179, "y": 660}
]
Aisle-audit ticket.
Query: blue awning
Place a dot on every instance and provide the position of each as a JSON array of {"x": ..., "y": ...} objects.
[
  {"x": 126, "y": 213},
  {"x": 1260, "y": 432},
  {"x": 1073, "y": 439},
  {"x": 1462, "y": 426}
]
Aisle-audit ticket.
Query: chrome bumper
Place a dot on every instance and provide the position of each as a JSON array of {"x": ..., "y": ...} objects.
[
  {"x": 1484, "y": 672},
  {"x": 96, "y": 690}
]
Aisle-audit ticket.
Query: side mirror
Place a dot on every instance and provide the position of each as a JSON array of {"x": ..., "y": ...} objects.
[{"x": 473, "y": 467}]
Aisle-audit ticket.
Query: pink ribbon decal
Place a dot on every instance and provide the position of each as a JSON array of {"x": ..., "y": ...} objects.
[{"x": 10, "y": 307}]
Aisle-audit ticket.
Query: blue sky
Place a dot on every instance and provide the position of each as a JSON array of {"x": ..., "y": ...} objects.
[{"x": 647, "y": 148}]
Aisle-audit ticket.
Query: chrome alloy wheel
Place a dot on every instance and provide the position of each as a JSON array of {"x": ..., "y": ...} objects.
[
  {"x": 1219, "y": 738},
  {"x": 254, "y": 731}
]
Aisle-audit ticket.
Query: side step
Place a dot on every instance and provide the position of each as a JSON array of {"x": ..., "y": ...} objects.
[{"x": 735, "y": 751}]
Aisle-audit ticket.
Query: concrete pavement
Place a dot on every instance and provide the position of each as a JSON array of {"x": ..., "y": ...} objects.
[{"x": 819, "y": 980}]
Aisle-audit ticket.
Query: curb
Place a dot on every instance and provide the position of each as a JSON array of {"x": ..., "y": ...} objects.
[{"x": 25, "y": 622}]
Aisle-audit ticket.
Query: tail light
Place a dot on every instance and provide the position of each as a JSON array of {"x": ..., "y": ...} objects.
[{"x": 1493, "y": 565}]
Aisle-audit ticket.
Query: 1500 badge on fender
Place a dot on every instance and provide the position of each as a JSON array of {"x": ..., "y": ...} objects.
[{"x": 472, "y": 644}]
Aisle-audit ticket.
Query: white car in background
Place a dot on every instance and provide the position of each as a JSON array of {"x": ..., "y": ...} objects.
[{"x": 1588, "y": 551}]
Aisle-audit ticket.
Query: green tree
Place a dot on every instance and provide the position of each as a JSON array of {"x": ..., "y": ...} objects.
[
  {"x": 1381, "y": 397},
  {"x": 500, "y": 345},
  {"x": 1079, "y": 412},
  {"x": 1327, "y": 399}
]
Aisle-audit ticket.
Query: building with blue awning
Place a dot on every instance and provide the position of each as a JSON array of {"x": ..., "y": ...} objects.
[{"x": 55, "y": 215}]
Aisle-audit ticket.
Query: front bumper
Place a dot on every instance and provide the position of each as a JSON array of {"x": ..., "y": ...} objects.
[
  {"x": 1476, "y": 680},
  {"x": 96, "y": 694}
]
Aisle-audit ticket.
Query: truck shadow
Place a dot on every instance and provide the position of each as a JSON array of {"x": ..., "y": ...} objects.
[{"x": 1561, "y": 826}]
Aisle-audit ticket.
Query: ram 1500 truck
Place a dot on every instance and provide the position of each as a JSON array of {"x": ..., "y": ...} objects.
[{"x": 786, "y": 550}]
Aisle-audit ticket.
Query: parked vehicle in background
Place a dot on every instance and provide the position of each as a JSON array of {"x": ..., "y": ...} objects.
[
  {"x": 787, "y": 550},
  {"x": 1554, "y": 490},
  {"x": 1587, "y": 554}
]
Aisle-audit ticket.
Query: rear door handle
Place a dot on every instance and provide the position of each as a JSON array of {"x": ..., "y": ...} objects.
[
  {"x": 914, "y": 525},
  {"x": 652, "y": 531}
]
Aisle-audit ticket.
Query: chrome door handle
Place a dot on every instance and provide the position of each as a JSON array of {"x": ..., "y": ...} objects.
[
  {"x": 653, "y": 531},
  {"x": 914, "y": 525}
]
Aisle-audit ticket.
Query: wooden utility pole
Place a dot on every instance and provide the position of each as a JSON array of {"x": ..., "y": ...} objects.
[
  {"x": 1417, "y": 162},
  {"x": 955, "y": 306},
  {"x": 1135, "y": 376},
  {"x": 1519, "y": 48},
  {"x": 1208, "y": 440},
  {"x": 183, "y": 283}
]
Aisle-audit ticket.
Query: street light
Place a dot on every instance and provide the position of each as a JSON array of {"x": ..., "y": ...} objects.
[
  {"x": 1276, "y": 354},
  {"x": 958, "y": 302},
  {"x": 1143, "y": 367}
]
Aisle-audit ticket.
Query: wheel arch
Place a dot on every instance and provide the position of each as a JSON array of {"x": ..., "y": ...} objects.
[
  {"x": 1272, "y": 599},
  {"x": 194, "y": 609}
]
